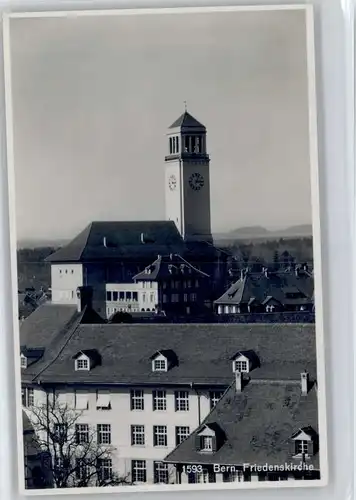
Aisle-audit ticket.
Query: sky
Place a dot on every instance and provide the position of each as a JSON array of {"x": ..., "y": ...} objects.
[{"x": 93, "y": 97}]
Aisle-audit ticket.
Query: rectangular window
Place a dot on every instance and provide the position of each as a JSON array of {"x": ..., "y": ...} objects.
[
  {"x": 27, "y": 397},
  {"x": 82, "y": 433},
  {"x": 104, "y": 469},
  {"x": 175, "y": 297},
  {"x": 108, "y": 296},
  {"x": 82, "y": 364},
  {"x": 164, "y": 285},
  {"x": 181, "y": 400},
  {"x": 103, "y": 401},
  {"x": 165, "y": 298},
  {"x": 301, "y": 447},
  {"x": 233, "y": 476},
  {"x": 182, "y": 432},
  {"x": 185, "y": 297},
  {"x": 82, "y": 470},
  {"x": 137, "y": 400},
  {"x": 159, "y": 400},
  {"x": 196, "y": 283},
  {"x": 241, "y": 366},
  {"x": 104, "y": 433},
  {"x": 138, "y": 471},
  {"x": 193, "y": 297},
  {"x": 159, "y": 435},
  {"x": 23, "y": 362},
  {"x": 189, "y": 284},
  {"x": 214, "y": 397},
  {"x": 177, "y": 284},
  {"x": 60, "y": 432},
  {"x": 143, "y": 297},
  {"x": 135, "y": 296},
  {"x": 121, "y": 295},
  {"x": 160, "y": 365},
  {"x": 152, "y": 297},
  {"x": 81, "y": 401},
  {"x": 206, "y": 443},
  {"x": 128, "y": 295},
  {"x": 114, "y": 296},
  {"x": 137, "y": 435},
  {"x": 160, "y": 471}
]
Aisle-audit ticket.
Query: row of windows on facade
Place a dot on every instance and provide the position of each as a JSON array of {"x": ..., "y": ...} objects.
[
  {"x": 188, "y": 144},
  {"x": 161, "y": 474},
  {"x": 138, "y": 437},
  {"x": 137, "y": 401},
  {"x": 236, "y": 309},
  {"x": 104, "y": 470},
  {"x": 113, "y": 296}
]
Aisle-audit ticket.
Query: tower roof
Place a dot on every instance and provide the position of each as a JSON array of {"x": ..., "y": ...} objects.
[{"x": 186, "y": 120}]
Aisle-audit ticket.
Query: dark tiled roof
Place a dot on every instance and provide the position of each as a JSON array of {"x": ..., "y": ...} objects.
[
  {"x": 40, "y": 328},
  {"x": 168, "y": 267},
  {"x": 186, "y": 120},
  {"x": 275, "y": 285},
  {"x": 258, "y": 423},
  {"x": 115, "y": 240},
  {"x": 203, "y": 351}
]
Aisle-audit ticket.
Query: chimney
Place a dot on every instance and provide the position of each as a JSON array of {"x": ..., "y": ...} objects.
[
  {"x": 105, "y": 242},
  {"x": 304, "y": 379},
  {"x": 84, "y": 297},
  {"x": 238, "y": 380}
]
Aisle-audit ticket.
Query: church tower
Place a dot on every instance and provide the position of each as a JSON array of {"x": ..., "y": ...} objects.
[{"x": 187, "y": 180}]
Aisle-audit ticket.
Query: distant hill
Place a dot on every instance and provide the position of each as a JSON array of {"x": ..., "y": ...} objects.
[
  {"x": 31, "y": 244},
  {"x": 259, "y": 232}
]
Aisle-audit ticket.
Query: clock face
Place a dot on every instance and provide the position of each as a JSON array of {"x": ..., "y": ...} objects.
[
  {"x": 196, "y": 181},
  {"x": 172, "y": 182}
]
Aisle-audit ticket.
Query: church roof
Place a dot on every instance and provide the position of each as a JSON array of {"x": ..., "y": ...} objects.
[
  {"x": 120, "y": 239},
  {"x": 186, "y": 120}
]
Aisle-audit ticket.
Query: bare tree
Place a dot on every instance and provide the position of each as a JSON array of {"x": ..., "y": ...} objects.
[{"x": 77, "y": 457}]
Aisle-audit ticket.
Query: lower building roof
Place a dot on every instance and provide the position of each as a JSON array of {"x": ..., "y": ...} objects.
[
  {"x": 203, "y": 353},
  {"x": 258, "y": 424}
]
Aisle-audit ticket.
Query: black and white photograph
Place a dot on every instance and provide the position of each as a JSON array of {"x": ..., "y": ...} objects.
[{"x": 164, "y": 217}]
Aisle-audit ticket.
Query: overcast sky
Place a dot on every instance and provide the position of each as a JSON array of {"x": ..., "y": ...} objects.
[{"x": 93, "y": 97}]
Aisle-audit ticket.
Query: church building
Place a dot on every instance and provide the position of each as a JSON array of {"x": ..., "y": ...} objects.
[{"x": 108, "y": 253}]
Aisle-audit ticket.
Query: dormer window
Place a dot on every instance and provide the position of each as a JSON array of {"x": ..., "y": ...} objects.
[
  {"x": 206, "y": 443},
  {"x": 82, "y": 364},
  {"x": 86, "y": 360},
  {"x": 304, "y": 443},
  {"x": 23, "y": 361},
  {"x": 159, "y": 365},
  {"x": 244, "y": 361},
  {"x": 210, "y": 438},
  {"x": 241, "y": 366},
  {"x": 164, "y": 360},
  {"x": 301, "y": 447}
]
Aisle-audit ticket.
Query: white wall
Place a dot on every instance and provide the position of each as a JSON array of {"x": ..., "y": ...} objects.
[
  {"x": 121, "y": 417},
  {"x": 65, "y": 279},
  {"x": 147, "y": 297}
]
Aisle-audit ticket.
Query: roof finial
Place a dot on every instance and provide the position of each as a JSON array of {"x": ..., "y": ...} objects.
[{"x": 185, "y": 106}]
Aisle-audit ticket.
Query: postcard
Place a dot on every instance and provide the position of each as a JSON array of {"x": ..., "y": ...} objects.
[{"x": 163, "y": 179}]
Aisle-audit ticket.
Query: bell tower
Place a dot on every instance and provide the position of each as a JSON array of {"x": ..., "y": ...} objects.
[{"x": 187, "y": 180}]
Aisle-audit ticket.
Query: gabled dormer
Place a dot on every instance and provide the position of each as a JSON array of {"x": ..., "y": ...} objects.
[
  {"x": 209, "y": 438},
  {"x": 163, "y": 360},
  {"x": 23, "y": 361},
  {"x": 28, "y": 356},
  {"x": 304, "y": 443},
  {"x": 244, "y": 361},
  {"x": 86, "y": 360}
]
